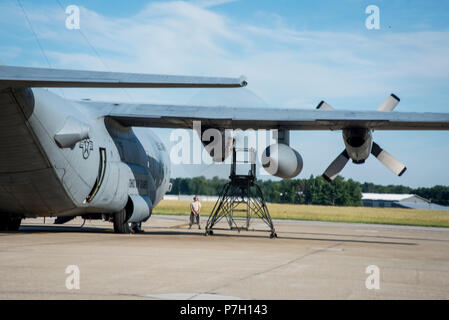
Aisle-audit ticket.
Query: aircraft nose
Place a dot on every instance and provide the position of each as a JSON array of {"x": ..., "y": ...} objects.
[{"x": 25, "y": 98}]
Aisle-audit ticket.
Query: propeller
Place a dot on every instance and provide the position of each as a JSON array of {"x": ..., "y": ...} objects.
[
  {"x": 324, "y": 106},
  {"x": 393, "y": 164},
  {"x": 397, "y": 167},
  {"x": 389, "y": 103},
  {"x": 336, "y": 166}
]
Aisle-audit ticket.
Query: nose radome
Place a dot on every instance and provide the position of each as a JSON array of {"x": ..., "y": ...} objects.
[{"x": 25, "y": 100}]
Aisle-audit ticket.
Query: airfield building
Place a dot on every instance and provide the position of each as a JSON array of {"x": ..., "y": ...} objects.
[{"x": 388, "y": 200}]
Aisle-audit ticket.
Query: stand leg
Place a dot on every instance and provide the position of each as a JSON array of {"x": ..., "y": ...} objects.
[{"x": 230, "y": 198}]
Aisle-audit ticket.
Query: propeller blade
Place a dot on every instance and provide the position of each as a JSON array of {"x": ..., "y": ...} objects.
[
  {"x": 336, "y": 166},
  {"x": 324, "y": 106},
  {"x": 388, "y": 160},
  {"x": 389, "y": 103}
]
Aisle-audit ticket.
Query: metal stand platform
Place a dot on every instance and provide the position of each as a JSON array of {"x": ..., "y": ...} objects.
[{"x": 241, "y": 194}]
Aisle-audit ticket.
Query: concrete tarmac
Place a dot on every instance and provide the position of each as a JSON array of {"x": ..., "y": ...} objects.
[{"x": 309, "y": 260}]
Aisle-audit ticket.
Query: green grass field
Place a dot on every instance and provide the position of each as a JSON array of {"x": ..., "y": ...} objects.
[{"x": 397, "y": 216}]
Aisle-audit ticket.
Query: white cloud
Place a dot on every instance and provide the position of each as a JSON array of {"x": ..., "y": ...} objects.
[
  {"x": 282, "y": 64},
  {"x": 211, "y": 3}
]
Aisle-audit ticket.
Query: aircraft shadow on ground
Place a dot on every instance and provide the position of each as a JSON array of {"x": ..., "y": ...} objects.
[
  {"x": 369, "y": 236},
  {"x": 63, "y": 229},
  {"x": 245, "y": 234}
]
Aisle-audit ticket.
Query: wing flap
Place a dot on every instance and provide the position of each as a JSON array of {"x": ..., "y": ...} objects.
[{"x": 22, "y": 77}]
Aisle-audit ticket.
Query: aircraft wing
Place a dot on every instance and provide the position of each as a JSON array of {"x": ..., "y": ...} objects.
[
  {"x": 222, "y": 117},
  {"x": 176, "y": 116},
  {"x": 24, "y": 77}
]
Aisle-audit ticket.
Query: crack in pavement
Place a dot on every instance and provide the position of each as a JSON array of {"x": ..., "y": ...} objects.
[{"x": 212, "y": 291}]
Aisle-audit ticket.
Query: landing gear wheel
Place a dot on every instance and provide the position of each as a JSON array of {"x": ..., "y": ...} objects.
[
  {"x": 8, "y": 223},
  {"x": 14, "y": 224},
  {"x": 273, "y": 235},
  {"x": 137, "y": 227},
  {"x": 121, "y": 224},
  {"x": 3, "y": 223}
]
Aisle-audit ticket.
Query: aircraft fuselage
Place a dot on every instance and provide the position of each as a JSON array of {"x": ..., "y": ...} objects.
[{"x": 63, "y": 158}]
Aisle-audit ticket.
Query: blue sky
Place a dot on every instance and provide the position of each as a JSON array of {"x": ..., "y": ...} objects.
[{"x": 294, "y": 53}]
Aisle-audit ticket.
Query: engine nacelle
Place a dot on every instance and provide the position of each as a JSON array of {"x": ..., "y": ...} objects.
[
  {"x": 216, "y": 142},
  {"x": 138, "y": 208},
  {"x": 358, "y": 142},
  {"x": 282, "y": 161}
]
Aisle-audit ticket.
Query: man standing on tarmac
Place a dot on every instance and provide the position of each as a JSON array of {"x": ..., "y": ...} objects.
[{"x": 195, "y": 208}]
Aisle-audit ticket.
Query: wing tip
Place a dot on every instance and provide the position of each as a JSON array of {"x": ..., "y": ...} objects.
[{"x": 243, "y": 81}]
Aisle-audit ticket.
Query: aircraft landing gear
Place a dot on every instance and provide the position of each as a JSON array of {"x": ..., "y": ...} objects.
[
  {"x": 9, "y": 223},
  {"x": 121, "y": 225}
]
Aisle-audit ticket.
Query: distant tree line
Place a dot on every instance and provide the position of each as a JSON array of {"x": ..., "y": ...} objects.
[
  {"x": 300, "y": 191},
  {"x": 315, "y": 190}
]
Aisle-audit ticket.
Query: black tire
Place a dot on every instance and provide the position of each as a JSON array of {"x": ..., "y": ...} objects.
[
  {"x": 121, "y": 224},
  {"x": 3, "y": 222},
  {"x": 14, "y": 224},
  {"x": 137, "y": 227},
  {"x": 8, "y": 223}
]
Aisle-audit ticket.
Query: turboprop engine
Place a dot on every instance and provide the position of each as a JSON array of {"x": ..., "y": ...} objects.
[
  {"x": 216, "y": 142},
  {"x": 282, "y": 161},
  {"x": 359, "y": 145}
]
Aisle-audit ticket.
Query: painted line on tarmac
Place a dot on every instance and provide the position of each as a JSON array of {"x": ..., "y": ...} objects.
[{"x": 179, "y": 226}]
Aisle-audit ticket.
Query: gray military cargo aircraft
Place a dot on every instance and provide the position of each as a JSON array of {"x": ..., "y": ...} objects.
[{"x": 66, "y": 158}]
